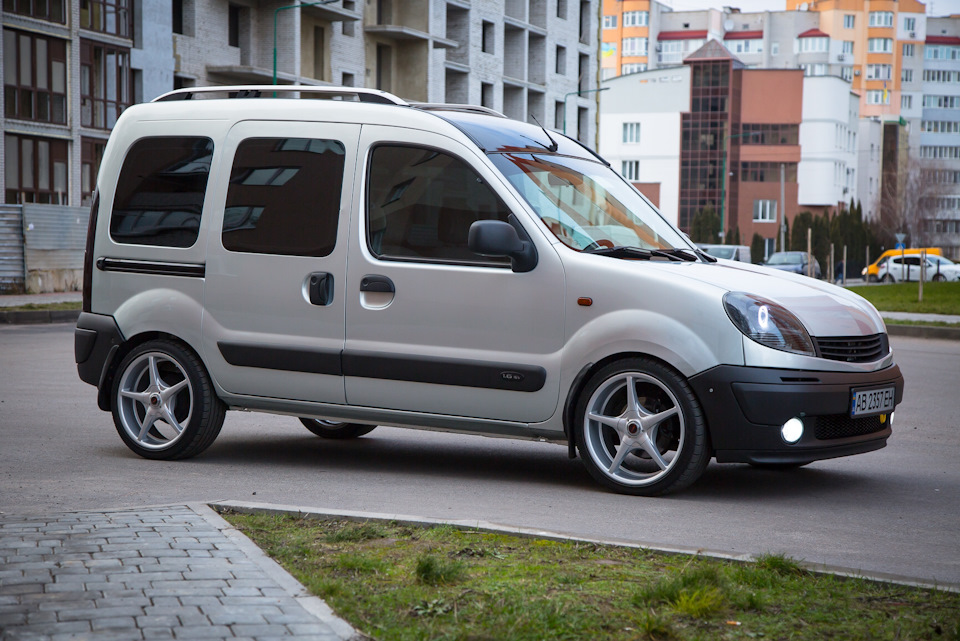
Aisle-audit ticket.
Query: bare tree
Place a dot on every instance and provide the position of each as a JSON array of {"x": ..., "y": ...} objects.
[{"x": 908, "y": 199}]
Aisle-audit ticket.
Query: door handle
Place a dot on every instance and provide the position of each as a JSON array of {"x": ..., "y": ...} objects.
[
  {"x": 375, "y": 283},
  {"x": 320, "y": 288}
]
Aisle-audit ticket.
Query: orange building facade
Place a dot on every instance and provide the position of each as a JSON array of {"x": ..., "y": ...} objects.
[{"x": 625, "y": 37}]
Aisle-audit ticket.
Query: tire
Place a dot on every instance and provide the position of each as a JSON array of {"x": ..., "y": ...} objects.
[
  {"x": 887, "y": 278},
  {"x": 335, "y": 429},
  {"x": 658, "y": 446},
  {"x": 163, "y": 402},
  {"x": 939, "y": 278}
]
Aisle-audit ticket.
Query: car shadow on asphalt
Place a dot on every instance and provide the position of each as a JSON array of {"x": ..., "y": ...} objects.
[{"x": 479, "y": 460}]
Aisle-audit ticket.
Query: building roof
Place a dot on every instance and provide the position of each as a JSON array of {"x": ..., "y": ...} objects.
[
  {"x": 682, "y": 35},
  {"x": 743, "y": 35},
  {"x": 713, "y": 50},
  {"x": 943, "y": 40},
  {"x": 813, "y": 33}
]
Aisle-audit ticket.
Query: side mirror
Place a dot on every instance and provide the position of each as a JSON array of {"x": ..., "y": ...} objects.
[{"x": 497, "y": 238}]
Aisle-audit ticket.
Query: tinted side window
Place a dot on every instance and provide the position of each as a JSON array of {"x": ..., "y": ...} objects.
[
  {"x": 160, "y": 192},
  {"x": 421, "y": 203},
  {"x": 284, "y": 197}
]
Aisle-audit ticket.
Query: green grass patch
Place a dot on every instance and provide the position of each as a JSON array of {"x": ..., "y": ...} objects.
[
  {"x": 43, "y": 307},
  {"x": 399, "y": 582},
  {"x": 938, "y": 298}
]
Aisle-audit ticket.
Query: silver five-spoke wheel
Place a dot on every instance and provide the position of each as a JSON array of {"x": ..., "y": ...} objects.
[
  {"x": 163, "y": 402},
  {"x": 641, "y": 429}
]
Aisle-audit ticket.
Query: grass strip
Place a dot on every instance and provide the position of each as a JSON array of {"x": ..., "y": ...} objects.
[
  {"x": 43, "y": 307},
  {"x": 398, "y": 582},
  {"x": 938, "y": 298}
]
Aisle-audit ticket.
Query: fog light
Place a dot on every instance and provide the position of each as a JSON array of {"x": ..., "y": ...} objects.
[{"x": 792, "y": 430}]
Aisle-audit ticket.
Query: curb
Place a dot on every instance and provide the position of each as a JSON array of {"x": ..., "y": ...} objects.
[
  {"x": 36, "y": 317},
  {"x": 486, "y": 526}
]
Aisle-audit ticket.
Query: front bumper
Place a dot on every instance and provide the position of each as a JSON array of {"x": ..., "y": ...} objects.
[{"x": 746, "y": 406}]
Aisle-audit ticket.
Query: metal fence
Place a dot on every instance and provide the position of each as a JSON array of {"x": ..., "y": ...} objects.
[
  {"x": 11, "y": 250},
  {"x": 41, "y": 247}
]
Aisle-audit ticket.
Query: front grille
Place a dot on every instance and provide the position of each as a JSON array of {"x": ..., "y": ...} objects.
[
  {"x": 842, "y": 426},
  {"x": 853, "y": 349}
]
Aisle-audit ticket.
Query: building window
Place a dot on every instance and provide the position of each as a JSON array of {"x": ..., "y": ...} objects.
[
  {"x": 559, "y": 122},
  {"x": 630, "y": 170},
  {"x": 233, "y": 25},
  {"x": 910, "y": 24},
  {"x": 52, "y": 10},
  {"x": 880, "y": 45},
  {"x": 906, "y": 75},
  {"x": 940, "y": 126},
  {"x": 104, "y": 84},
  {"x": 91, "y": 153},
  {"x": 878, "y": 97},
  {"x": 636, "y": 18},
  {"x": 906, "y": 102},
  {"x": 846, "y": 73},
  {"x": 941, "y": 102},
  {"x": 609, "y": 22},
  {"x": 772, "y": 134},
  {"x": 764, "y": 211},
  {"x": 881, "y": 19},
  {"x": 848, "y": 46},
  {"x": 848, "y": 21},
  {"x": 107, "y": 16},
  {"x": 561, "y": 66},
  {"x": 941, "y": 75},
  {"x": 35, "y": 77},
  {"x": 631, "y": 132},
  {"x": 941, "y": 52},
  {"x": 940, "y": 152},
  {"x": 35, "y": 170},
  {"x": 879, "y": 72},
  {"x": 562, "y": 9},
  {"x": 754, "y": 45},
  {"x": 775, "y": 49},
  {"x": 633, "y": 67},
  {"x": 813, "y": 45},
  {"x": 488, "y": 39},
  {"x": 486, "y": 95},
  {"x": 767, "y": 172},
  {"x": 908, "y": 50},
  {"x": 635, "y": 46}
]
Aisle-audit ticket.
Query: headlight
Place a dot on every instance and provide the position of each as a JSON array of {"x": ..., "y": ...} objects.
[{"x": 768, "y": 323}]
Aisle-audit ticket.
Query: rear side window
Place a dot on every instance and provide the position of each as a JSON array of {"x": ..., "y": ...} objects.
[
  {"x": 421, "y": 203},
  {"x": 160, "y": 192},
  {"x": 284, "y": 197}
]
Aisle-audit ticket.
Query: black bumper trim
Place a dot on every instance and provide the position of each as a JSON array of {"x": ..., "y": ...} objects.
[
  {"x": 746, "y": 406},
  {"x": 95, "y": 342}
]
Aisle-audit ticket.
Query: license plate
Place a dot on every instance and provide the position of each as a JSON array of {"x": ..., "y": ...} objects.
[{"x": 872, "y": 401}]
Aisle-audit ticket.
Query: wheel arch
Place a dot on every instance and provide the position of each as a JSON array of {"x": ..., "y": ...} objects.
[
  {"x": 105, "y": 390},
  {"x": 585, "y": 374}
]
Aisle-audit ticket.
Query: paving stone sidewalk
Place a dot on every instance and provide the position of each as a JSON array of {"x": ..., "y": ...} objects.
[{"x": 175, "y": 572}]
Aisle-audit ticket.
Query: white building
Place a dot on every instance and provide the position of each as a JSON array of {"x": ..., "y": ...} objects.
[{"x": 827, "y": 173}]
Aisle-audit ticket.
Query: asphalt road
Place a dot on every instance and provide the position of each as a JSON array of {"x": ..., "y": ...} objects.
[{"x": 894, "y": 511}]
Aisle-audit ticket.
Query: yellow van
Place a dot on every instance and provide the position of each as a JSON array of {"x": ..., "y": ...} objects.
[{"x": 870, "y": 272}]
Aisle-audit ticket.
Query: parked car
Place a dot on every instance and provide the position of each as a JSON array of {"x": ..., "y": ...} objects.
[
  {"x": 730, "y": 252},
  {"x": 795, "y": 262},
  {"x": 907, "y": 268},
  {"x": 364, "y": 261},
  {"x": 871, "y": 273}
]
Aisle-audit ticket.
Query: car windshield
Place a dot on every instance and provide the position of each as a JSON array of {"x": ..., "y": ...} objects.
[
  {"x": 944, "y": 262},
  {"x": 785, "y": 259},
  {"x": 585, "y": 203}
]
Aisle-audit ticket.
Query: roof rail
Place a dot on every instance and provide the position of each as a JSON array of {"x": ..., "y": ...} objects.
[
  {"x": 270, "y": 91},
  {"x": 439, "y": 106}
]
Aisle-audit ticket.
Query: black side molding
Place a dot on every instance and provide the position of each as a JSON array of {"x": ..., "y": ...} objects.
[
  {"x": 194, "y": 270},
  {"x": 282, "y": 358},
  {"x": 441, "y": 371}
]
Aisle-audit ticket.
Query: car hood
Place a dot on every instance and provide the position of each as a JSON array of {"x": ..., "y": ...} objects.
[{"x": 824, "y": 309}]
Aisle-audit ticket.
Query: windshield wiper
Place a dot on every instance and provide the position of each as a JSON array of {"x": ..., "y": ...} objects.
[
  {"x": 674, "y": 254},
  {"x": 689, "y": 254}
]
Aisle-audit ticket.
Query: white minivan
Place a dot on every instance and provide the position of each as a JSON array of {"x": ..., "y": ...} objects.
[{"x": 358, "y": 261}]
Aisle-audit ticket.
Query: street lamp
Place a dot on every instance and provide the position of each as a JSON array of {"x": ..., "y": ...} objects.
[
  {"x": 276, "y": 12},
  {"x": 577, "y": 93},
  {"x": 723, "y": 180}
]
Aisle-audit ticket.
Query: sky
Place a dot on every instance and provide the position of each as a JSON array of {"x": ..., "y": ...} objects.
[{"x": 939, "y": 7}]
